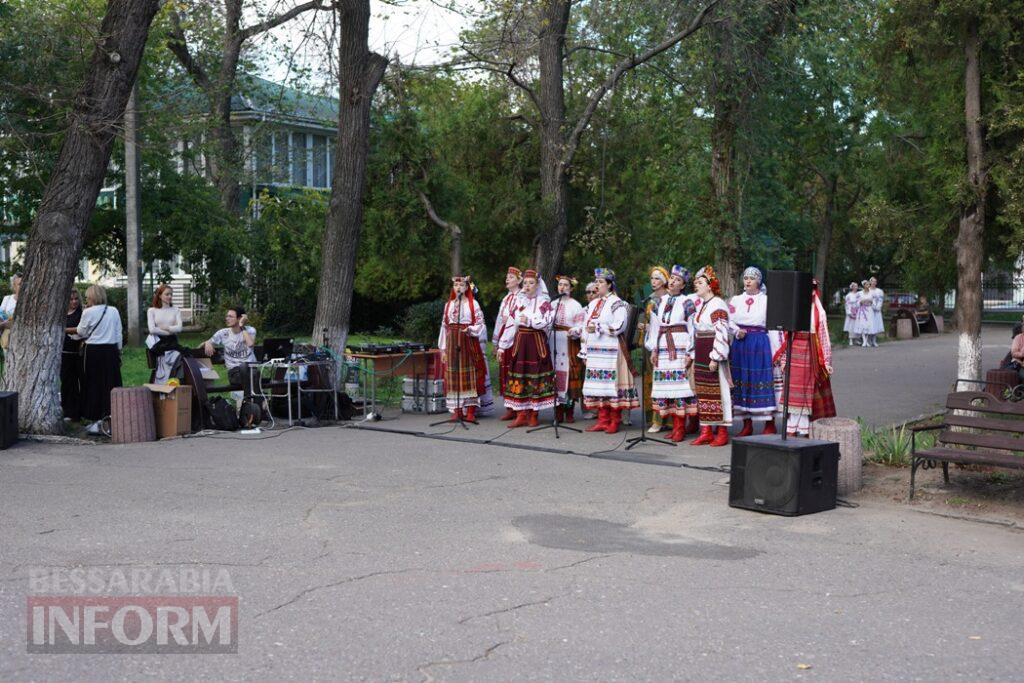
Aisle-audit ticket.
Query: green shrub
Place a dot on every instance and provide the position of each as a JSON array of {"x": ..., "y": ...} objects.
[
  {"x": 421, "y": 322},
  {"x": 892, "y": 446}
]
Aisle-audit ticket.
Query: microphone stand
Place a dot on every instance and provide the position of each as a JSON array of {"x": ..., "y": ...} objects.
[
  {"x": 554, "y": 354},
  {"x": 643, "y": 438},
  {"x": 458, "y": 369}
]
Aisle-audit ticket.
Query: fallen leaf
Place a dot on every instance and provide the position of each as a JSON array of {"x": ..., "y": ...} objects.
[
  {"x": 803, "y": 667},
  {"x": 973, "y": 637}
]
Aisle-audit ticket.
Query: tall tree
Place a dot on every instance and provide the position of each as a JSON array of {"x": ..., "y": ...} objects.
[
  {"x": 216, "y": 74},
  {"x": 535, "y": 33},
  {"x": 57, "y": 233},
  {"x": 359, "y": 74}
]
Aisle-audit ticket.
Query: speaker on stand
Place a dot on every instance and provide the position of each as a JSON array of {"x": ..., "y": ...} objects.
[{"x": 773, "y": 473}]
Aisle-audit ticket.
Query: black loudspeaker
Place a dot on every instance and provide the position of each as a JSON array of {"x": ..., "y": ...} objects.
[
  {"x": 791, "y": 477},
  {"x": 8, "y": 419},
  {"x": 789, "y": 300}
]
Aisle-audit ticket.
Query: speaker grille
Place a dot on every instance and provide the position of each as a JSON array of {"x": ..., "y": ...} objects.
[{"x": 772, "y": 478}]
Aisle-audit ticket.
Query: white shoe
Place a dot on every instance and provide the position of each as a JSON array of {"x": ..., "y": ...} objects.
[
  {"x": 654, "y": 429},
  {"x": 94, "y": 428}
]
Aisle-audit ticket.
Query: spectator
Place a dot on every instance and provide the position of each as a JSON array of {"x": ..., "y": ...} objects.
[
  {"x": 236, "y": 340},
  {"x": 71, "y": 361},
  {"x": 101, "y": 329},
  {"x": 1017, "y": 355},
  {"x": 164, "y": 320},
  {"x": 7, "y": 307}
]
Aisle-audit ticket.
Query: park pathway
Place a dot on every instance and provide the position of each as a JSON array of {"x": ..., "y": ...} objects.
[{"x": 900, "y": 380}]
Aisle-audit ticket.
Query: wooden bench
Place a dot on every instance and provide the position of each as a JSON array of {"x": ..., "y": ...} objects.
[{"x": 977, "y": 429}]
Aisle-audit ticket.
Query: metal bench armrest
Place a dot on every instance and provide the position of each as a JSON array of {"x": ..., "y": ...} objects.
[{"x": 920, "y": 428}]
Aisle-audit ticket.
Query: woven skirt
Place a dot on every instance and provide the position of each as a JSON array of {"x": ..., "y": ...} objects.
[
  {"x": 713, "y": 399},
  {"x": 462, "y": 369},
  {"x": 530, "y": 381},
  {"x": 750, "y": 361}
]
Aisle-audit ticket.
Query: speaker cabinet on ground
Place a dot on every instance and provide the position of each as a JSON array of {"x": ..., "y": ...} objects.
[
  {"x": 789, "y": 300},
  {"x": 8, "y": 419},
  {"x": 791, "y": 477}
]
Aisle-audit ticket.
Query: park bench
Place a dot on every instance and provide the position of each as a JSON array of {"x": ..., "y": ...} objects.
[{"x": 977, "y": 429}]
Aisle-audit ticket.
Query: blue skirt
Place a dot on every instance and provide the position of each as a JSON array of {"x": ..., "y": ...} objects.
[{"x": 750, "y": 359}]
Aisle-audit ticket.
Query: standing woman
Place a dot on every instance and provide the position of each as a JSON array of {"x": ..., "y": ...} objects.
[
  {"x": 608, "y": 386},
  {"x": 486, "y": 406},
  {"x": 850, "y": 302},
  {"x": 460, "y": 350},
  {"x": 710, "y": 351},
  {"x": 668, "y": 340},
  {"x": 71, "y": 361},
  {"x": 100, "y": 327},
  {"x": 7, "y": 306},
  {"x": 503, "y": 324},
  {"x": 659, "y": 290},
  {"x": 750, "y": 357},
  {"x": 164, "y": 320},
  {"x": 530, "y": 387},
  {"x": 810, "y": 389},
  {"x": 590, "y": 293},
  {"x": 564, "y": 342},
  {"x": 865, "y": 322},
  {"x": 877, "y": 304}
]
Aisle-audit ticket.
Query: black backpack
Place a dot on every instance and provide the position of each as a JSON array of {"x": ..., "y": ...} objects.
[
  {"x": 250, "y": 414},
  {"x": 221, "y": 415}
]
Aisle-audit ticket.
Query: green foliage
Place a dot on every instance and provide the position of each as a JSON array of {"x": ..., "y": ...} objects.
[
  {"x": 892, "y": 445},
  {"x": 420, "y": 322}
]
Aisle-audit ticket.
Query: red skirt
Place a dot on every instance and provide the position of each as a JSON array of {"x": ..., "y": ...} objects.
[
  {"x": 810, "y": 390},
  {"x": 464, "y": 370},
  {"x": 530, "y": 381}
]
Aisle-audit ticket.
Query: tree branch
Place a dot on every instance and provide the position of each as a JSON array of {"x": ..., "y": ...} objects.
[
  {"x": 454, "y": 229},
  {"x": 179, "y": 47},
  {"x": 626, "y": 65},
  {"x": 275, "y": 21}
]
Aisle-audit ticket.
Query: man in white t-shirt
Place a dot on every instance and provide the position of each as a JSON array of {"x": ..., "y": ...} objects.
[{"x": 236, "y": 341}]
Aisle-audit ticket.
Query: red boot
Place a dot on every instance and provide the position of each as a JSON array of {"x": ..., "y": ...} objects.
[
  {"x": 769, "y": 427},
  {"x": 721, "y": 437},
  {"x": 705, "y": 437},
  {"x": 534, "y": 414},
  {"x": 615, "y": 421},
  {"x": 522, "y": 417},
  {"x": 470, "y": 413},
  {"x": 748, "y": 427},
  {"x": 456, "y": 414},
  {"x": 567, "y": 413},
  {"x": 692, "y": 424},
  {"x": 604, "y": 416},
  {"x": 509, "y": 415},
  {"x": 678, "y": 429}
]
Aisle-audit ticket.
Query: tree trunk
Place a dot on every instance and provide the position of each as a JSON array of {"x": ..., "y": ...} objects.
[
  {"x": 969, "y": 247},
  {"x": 359, "y": 73},
  {"x": 554, "y": 183},
  {"x": 723, "y": 183},
  {"x": 55, "y": 240},
  {"x": 825, "y": 238},
  {"x": 225, "y": 168}
]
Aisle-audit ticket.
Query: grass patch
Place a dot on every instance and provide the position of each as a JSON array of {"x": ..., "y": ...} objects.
[{"x": 891, "y": 446}]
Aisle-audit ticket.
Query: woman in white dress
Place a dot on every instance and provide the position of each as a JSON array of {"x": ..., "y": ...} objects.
[
  {"x": 850, "y": 303},
  {"x": 608, "y": 386},
  {"x": 878, "y": 303},
  {"x": 668, "y": 340},
  {"x": 865, "y": 322},
  {"x": 564, "y": 341}
]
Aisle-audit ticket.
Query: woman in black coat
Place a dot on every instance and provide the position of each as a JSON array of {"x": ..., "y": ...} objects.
[{"x": 71, "y": 362}]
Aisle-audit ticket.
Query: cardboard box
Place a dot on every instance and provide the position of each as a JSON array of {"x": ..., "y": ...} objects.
[
  {"x": 173, "y": 409},
  {"x": 210, "y": 376}
]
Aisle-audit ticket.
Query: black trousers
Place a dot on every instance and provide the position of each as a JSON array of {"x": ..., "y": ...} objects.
[
  {"x": 71, "y": 384},
  {"x": 102, "y": 374},
  {"x": 241, "y": 375}
]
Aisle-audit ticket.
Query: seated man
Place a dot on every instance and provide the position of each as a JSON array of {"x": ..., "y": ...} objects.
[
  {"x": 1017, "y": 355},
  {"x": 236, "y": 340}
]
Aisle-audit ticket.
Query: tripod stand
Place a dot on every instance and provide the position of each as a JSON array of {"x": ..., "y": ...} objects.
[
  {"x": 643, "y": 438},
  {"x": 458, "y": 370},
  {"x": 555, "y": 424}
]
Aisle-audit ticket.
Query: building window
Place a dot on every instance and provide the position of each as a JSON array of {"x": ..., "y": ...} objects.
[
  {"x": 281, "y": 162},
  {"x": 319, "y": 161},
  {"x": 264, "y": 157},
  {"x": 299, "y": 159}
]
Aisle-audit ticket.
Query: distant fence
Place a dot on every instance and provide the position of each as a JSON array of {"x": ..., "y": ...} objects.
[{"x": 999, "y": 292}]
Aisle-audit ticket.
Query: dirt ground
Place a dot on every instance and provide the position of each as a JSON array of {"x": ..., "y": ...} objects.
[{"x": 985, "y": 494}]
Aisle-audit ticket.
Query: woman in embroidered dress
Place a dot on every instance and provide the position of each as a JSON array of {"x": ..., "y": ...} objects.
[
  {"x": 750, "y": 357},
  {"x": 810, "y": 389},
  {"x": 608, "y": 385},
  {"x": 502, "y": 324},
  {"x": 850, "y": 302},
  {"x": 865, "y": 322},
  {"x": 659, "y": 290},
  {"x": 668, "y": 340},
  {"x": 710, "y": 351},
  {"x": 590, "y": 293},
  {"x": 464, "y": 365},
  {"x": 564, "y": 342},
  {"x": 486, "y": 406},
  {"x": 530, "y": 385}
]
